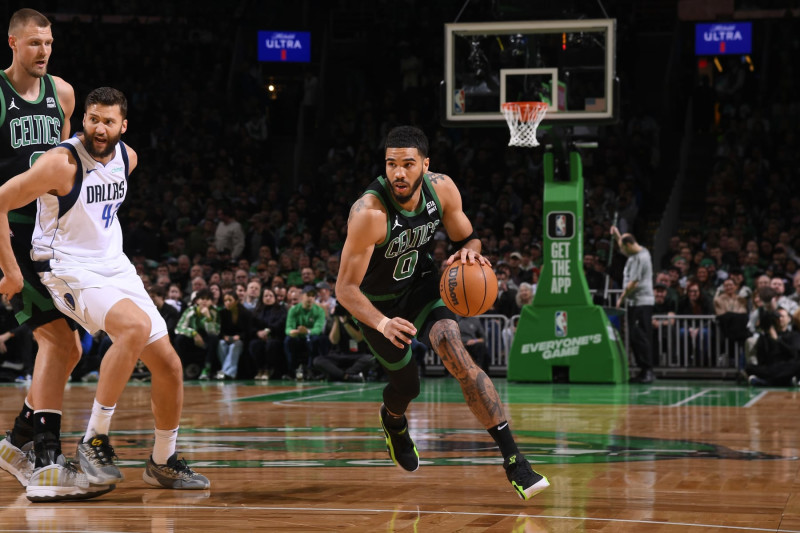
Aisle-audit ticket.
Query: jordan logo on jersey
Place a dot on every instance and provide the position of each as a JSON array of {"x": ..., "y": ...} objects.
[
  {"x": 397, "y": 223},
  {"x": 13, "y": 105}
]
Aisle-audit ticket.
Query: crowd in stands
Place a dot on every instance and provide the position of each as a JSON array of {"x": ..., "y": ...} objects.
[{"x": 243, "y": 262}]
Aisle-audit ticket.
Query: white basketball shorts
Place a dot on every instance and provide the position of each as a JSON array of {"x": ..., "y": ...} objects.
[{"x": 86, "y": 293}]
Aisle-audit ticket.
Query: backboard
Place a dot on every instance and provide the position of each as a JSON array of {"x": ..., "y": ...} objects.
[{"x": 570, "y": 64}]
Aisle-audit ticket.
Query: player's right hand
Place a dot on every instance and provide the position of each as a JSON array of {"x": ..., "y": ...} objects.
[
  {"x": 11, "y": 283},
  {"x": 399, "y": 331}
]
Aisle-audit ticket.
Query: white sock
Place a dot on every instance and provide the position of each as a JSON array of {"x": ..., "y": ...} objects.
[
  {"x": 164, "y": 447},
  {"x": 100, "y": 421}
]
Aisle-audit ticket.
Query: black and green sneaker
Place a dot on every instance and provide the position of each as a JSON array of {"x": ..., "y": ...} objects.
[
  {"x": 523, "y": 478},
  {"x": 398, "y": 442}
]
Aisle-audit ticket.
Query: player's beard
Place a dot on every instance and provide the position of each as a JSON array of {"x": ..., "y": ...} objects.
[
  {"x": 35, "y": 72},
  {"x": 413, "y": 187},
  {"x": 111, "y": 144}
]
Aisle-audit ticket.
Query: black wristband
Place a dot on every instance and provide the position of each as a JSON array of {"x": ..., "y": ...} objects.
[{"x": 460, "y": 244}]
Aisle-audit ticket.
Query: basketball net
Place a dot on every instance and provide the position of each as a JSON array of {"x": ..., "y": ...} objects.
[{"x": 523, "y": 118}]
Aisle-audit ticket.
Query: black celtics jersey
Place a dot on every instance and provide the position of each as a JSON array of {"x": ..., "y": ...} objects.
[
  {"x": 27, "y": 130},
  {"x": 405, "y": 255}
]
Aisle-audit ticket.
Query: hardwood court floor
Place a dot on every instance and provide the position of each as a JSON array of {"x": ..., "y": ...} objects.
[{"x": 678, "y": 456}]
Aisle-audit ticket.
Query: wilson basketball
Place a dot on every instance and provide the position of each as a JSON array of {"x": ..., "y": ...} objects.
[{"x": 468, "y": 289}]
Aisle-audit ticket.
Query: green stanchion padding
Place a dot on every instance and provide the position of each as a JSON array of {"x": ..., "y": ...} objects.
[
  {"x": 563, "y": 328},
  {"x": 577, "y": 343}
]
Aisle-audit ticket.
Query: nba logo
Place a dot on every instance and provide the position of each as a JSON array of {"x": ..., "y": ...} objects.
[
  {"x": 459, "y": 102},
  {"x": 561, "y": 226},
  {"x": 561, "y": 323}
]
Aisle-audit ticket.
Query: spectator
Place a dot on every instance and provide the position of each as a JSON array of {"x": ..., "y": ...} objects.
[
  {"x": 325, "y": 299},
  {"x": 241, "y": 275},
  {"x": 742, "y": 289},
  {"x": 333, "y": 267},
  {"x": 777, "y": 348},
  {"x": 515, "y": 271},
  {"x": 266, "y": 347},
  {"x": 695, "y": 302},
  {"x": 175, "y": 297},
  {"x": 196, "y": 336},
  {"x": 777, "y": 284},
  {"x": 505, "y": 303},
  {"x": 259, "y": 236},
  {"x": 197, "y": 284},
  {"x": 240, "y": 289},
  {"x": 349, "y": 358},
  {"x": 252, "y": 294},
  {"x": 761, "y": 282},
  {"x": 228, "y": 235},
  {"x": 594, "y": 279},
  {"x": 665, "y": 309},
  {"x": 170, "y": 314},
  {"x": 181, "y": 274},
  {"x": 216, "y": 295},
  {"x": 474, "y": 338},
  {"x": 672, "y": 297},
  {"x": 795, "y": 296},
  {"x": 696, "y": 336},
  {"x": 730, "y": 308},
  {"x": 705, "y": 282},
  {"x": 305, "y": 327},
  {"x": 236, "y": 323}
]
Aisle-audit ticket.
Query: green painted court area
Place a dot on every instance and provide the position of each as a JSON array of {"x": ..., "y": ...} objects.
[{"x": 447, "y": 390}]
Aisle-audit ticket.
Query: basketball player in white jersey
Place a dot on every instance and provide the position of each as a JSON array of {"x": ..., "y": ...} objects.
[{"x": 77, "y": 247}]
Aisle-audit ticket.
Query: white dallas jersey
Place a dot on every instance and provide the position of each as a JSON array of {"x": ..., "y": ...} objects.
[{"x": 82, "y": 226}]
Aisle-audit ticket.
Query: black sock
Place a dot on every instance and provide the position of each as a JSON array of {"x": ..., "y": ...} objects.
[
  {"x": 501, "y": 434},
  {"x": 391, "y": 421},
  {"x": 23, "y": 427},
  {"x": 47, "y": 441},
  {"x": 48, "y": 422}
]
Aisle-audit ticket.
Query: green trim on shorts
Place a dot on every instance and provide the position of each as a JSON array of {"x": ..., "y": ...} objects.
[
  {"x": 30, "y": 298},
  {"x": 423, "y": 315},
  {"x": 382, "y": 297},
  {"x": 392, "y": 366}
]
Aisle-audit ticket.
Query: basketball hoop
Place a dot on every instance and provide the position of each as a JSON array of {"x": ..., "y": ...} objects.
[{"x": 523, "y": 118}]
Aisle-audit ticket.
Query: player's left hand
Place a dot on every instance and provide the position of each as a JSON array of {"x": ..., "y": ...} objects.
[{"x": 467, "y": 255}]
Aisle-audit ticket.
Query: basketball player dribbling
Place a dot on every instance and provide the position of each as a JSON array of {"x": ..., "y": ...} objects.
[
  {"x": 35, "y": 109},
  {"x": 388, "y": 282},
  {"x": 77, "y": 250}
]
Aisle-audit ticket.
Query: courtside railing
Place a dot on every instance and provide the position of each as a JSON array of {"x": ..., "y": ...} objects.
[{"x": 683, "y": 346}]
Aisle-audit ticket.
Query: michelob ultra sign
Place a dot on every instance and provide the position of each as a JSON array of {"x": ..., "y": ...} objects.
[
  {"x": 721, "y": 38},
  {"x": 285, "y": 46}
]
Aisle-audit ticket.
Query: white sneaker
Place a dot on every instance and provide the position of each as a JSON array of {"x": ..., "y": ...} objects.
[
  {"x": 62, "y": 481},
  {"x": 96, "y": 458},
  {"x": 17, "y": 461}
]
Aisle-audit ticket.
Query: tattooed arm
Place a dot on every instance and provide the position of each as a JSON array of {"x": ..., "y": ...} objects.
[
  {"x": 366, "y": 227},
  {"x": 479, "y": 392}
]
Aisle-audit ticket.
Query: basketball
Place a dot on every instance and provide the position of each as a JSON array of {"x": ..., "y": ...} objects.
[{"x": 468, "y": 289}]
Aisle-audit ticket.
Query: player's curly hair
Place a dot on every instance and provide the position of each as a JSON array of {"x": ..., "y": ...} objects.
[
  {"x": 108, "y": 96},
  {"x": 408, "y": 137}
]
